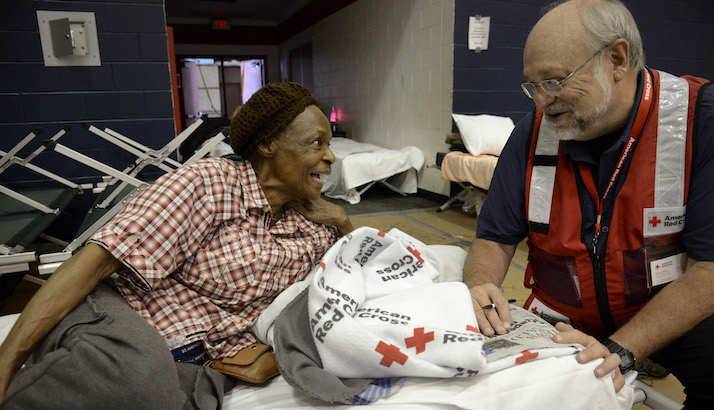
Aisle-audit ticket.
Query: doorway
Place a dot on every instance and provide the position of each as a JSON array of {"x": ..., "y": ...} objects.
[{"x": 216, "y": 86}]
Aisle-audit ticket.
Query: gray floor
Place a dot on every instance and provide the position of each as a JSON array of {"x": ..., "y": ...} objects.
[{"x": 380, "y": 199}]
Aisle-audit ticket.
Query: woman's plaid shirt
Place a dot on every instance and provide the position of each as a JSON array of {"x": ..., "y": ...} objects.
[{"x": 204, "y": 256}]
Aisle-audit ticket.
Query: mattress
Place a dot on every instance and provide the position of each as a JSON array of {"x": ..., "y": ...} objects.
[
  {"x": 358, "y": 163},
  {"x": 544, "y": 384},
  {"x": 463, "y": 167}
]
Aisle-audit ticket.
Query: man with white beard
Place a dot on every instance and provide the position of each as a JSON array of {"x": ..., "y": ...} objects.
[{"x": 610, "y": 180}]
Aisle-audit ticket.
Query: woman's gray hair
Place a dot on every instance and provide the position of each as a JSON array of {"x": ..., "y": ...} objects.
[{"x": 608, "y": 20}]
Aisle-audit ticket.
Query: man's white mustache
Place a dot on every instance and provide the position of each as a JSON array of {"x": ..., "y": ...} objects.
[{"x": 557, "y": 109}]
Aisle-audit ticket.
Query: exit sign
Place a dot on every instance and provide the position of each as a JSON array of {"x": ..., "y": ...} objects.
[{"x": 221, "y": 24}]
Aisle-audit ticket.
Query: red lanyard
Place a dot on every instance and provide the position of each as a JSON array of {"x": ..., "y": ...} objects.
[{"x": 640, "y": 117}]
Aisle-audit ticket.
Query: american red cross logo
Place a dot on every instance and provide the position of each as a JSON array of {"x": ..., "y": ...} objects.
[
  {"x": 534, "y": 309},
  {"x": 381, "y": 234},
  {"x": 390, "y": 354},
  {"x": 471, "y": 328},
  {"x": 526, "y": 356},
  {"x": 416, "y": 254},
  {"x": 322, "y": 265},
  {"x": 654, "y": 221},
  {"x": 419, "y": 340}
]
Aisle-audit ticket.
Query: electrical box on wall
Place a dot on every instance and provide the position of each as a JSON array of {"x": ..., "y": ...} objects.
[{"x": 68, "y": 38}]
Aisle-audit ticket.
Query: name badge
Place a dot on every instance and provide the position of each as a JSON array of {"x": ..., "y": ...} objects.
[
  {"x": 667, "y": 269},
  {"x": 663, "y": 221}
]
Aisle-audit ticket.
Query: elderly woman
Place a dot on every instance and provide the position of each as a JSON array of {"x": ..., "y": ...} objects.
[{"x": 199, "y": 255}]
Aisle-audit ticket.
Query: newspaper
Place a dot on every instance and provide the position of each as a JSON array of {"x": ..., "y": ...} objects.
[{"x": 528, "y": 332}]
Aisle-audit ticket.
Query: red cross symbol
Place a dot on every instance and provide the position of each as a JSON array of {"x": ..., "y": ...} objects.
[
  {"x": 322, "y": 265},
  {"x": 654, "y": 221},
  {"x": 419, "y": 340},
  {"x": 390, "y": 354},
  {"x": 534, "y": 309},
  {"x": 381, "y": 233},
  {"x": 526, "y": 356},
  {"x": 471, "y": 328},
  {"x": 416, "y": 254}
]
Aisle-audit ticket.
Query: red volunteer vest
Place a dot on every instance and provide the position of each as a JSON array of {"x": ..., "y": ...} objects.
[{"x": 599, "y": 284}]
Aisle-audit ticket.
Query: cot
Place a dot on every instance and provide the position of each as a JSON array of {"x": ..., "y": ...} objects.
[
  {"x": 555, "y": 382},
  {"x": 358, "y": 166},
  {"x": 472, "y": 173},
  {"x": 502, "y": 390},
  {"x": 26, "y": 212},
  {"x": 480, "y": 139}
]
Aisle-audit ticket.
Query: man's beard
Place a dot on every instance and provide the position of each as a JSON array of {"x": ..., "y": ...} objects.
[{"x": 583, "y": 122}]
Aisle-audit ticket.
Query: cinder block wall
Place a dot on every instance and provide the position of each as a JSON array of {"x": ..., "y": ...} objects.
[
  {"x": 129, "y": 92},
  {"x": 388, "y": 67},
  {"x": 678, "y": 37}
]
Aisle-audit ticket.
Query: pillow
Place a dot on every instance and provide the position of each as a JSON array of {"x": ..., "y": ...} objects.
[{"x": 484, "y": 134}]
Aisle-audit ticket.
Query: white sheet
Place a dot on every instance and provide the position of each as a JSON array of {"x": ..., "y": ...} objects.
[
  {"x": 360, "y": 163},
  {"x": 555, "y": 383},
  {"x": 6, "y": 323}
]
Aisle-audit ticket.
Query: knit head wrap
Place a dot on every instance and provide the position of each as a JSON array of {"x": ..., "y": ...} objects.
[{"x": 266, "y": 114}]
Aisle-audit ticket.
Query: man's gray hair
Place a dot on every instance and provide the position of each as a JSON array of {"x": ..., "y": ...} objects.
[{"x": 607, "y": 21}]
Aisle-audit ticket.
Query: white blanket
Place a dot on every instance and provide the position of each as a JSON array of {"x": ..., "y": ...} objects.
[
  {"x": 360, "y": 163},
  {"x": 448, "y": 260},
  {"x": 376, "y": 311}
]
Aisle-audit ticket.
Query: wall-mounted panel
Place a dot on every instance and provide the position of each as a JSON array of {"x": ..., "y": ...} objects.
[{"x": 129, "y": 90}]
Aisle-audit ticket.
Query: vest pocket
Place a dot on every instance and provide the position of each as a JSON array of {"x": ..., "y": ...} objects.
[
  {"x": 637, "y": 266},
  {"x": 555, "y": 275},
  {"x": 635, "y": 274}
]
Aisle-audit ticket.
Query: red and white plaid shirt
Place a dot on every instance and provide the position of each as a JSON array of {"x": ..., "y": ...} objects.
[{"x": 205, "y": 257}]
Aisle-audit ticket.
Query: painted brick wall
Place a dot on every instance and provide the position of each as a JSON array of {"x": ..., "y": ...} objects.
[
  {"x": 129, "y": 92},
  {"x": 678, "y": 37},
  {"x": 387, "y": 65}
]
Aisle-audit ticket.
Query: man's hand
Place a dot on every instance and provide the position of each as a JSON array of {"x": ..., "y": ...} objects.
[
  {"x": 492, "y": 318},
  {"x": 593, "y": 350},
  {"x": 324, "y": 212},
  {"x": 484, "y": 269}
]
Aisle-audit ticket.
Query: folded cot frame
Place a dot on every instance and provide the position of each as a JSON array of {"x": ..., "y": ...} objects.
[
  {"x": 111, "y": 205},
  {"x": 13, "y": 259}
]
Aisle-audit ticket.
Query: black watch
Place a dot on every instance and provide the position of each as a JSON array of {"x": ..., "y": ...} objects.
[{"x": 627, "y": 359}]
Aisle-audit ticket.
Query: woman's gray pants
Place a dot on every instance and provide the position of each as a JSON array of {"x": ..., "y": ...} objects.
[{"x": 105, "y": 356}]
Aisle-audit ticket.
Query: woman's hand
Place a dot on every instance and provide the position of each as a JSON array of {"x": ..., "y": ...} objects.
[
  {"x": 67, "y": 287},
  {"x": 324, "y": 212},
  {"x": 5, "y": 376},
  {"x": 491, "y": 308},
  {"x": 593, "y": 350}
]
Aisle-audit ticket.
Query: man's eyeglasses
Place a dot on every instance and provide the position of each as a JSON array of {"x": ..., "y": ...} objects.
[{"x": 554, "y": 87}]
